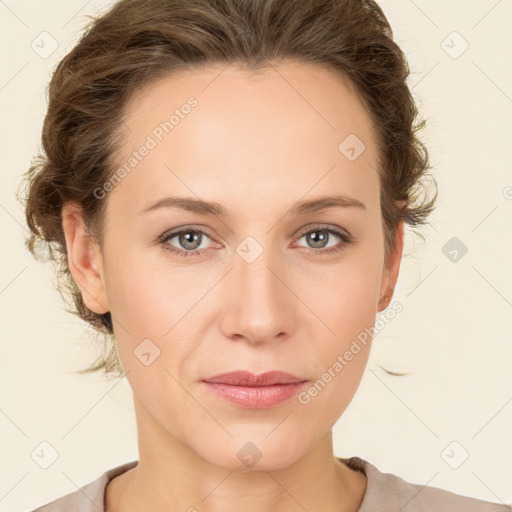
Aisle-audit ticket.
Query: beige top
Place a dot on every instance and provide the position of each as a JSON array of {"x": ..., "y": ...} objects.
[{"x": 385, "y": 492}]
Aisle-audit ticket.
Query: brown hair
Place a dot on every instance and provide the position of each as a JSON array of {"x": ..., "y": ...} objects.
[{"x": 136, "y": 42}]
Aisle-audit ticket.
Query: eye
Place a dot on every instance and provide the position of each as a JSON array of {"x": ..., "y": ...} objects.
[
  {"x": 191, "y": 241},
  {"x": 319, "y": 235}
]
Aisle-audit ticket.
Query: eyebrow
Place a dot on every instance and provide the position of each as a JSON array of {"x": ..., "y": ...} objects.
[{"x": 217, "y": 210}]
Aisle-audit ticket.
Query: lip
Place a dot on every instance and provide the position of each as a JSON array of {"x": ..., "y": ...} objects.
[
  {"x": 251, "y": 391},
  {"x": 245, "y": 378}
]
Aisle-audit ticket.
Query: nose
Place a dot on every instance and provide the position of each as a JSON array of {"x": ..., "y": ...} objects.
[{"x": 259, "y": 305}]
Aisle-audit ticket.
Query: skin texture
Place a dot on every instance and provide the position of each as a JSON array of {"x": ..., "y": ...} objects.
[{"x": 256, "y": 144}]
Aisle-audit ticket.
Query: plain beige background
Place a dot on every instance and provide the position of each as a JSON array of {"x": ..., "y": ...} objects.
[{"x": 453, "y": 335}]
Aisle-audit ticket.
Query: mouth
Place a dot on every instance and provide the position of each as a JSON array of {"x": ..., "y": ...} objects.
[
  {"x": 251, "y": 391},
  {"x": 245, "y": 378}
]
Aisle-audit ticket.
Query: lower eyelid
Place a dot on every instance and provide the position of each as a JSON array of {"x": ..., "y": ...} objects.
[
  {"x": 344, "y": 238},
  {"x": 169, "y": 236}
]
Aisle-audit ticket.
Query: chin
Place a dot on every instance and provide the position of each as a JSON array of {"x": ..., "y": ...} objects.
[{"x": 255, "y": 453}]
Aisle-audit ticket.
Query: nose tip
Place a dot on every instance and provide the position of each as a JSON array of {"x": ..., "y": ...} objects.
[{"x": 259, "y": 302}]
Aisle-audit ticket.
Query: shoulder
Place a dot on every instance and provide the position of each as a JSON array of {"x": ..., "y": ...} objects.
[
  {"x": 89, "y": 498},
  {"x": 387, "y": 492}
]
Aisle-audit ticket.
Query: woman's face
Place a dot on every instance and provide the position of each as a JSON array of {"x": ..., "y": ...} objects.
[{"x": 265, "y": 286}]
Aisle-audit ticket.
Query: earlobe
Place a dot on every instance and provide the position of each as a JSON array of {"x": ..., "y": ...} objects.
[{"x": 85, "y": 260}]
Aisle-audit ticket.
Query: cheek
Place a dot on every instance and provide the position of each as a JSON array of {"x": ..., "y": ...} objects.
[
  {"x": 154, "y": 319},
  {"x": 142, "y": 297},
  {"x": 342, "y": 364},
  {"x": 346, "y": 303},
  {"x": 345, "y": 297}
]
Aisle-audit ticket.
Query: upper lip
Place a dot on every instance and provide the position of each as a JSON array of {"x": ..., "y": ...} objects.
[{"x": 245, "y": 378}]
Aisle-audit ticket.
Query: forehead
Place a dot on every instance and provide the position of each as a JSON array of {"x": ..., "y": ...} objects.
[{"x": 280, "y": 132}]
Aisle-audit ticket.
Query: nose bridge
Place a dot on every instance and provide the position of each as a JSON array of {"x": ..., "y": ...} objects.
[{"x": 258, "y": 300}]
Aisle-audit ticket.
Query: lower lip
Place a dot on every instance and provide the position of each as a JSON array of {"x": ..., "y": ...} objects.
[{"x": 262, "y": 397}]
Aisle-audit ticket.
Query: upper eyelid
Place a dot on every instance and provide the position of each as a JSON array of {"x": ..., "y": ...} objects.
[{"x": 337, "y": 231}]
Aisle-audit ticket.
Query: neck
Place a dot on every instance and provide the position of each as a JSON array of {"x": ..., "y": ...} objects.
[{"x": 170, "y": 476}]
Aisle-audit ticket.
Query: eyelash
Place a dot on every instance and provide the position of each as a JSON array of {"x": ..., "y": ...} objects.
[{"x": 345, "y": 237}]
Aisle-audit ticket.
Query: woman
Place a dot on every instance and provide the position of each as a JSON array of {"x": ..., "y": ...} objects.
[{"x": 226, "y": 184}]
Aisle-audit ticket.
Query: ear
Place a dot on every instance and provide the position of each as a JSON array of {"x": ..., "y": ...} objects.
[
  {"x": 390, "y": 274},
  {"x": 85, "y": 260}
]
